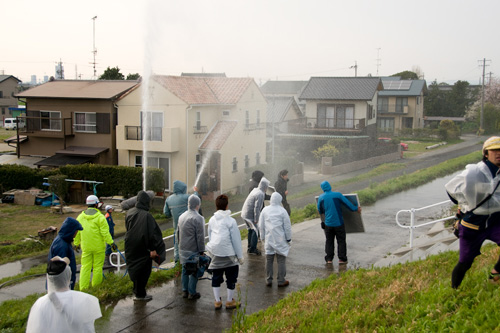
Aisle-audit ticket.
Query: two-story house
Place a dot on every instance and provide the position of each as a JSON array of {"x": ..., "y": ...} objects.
[
  {"x": 72, "y": 121},
  {"x": 400, "y": 105},
  {"x": 8, "y": 87},
  {"x": 203, "y": 131}
]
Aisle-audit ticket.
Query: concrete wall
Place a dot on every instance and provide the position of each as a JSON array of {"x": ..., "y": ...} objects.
[{"x": 328, "y": 169}]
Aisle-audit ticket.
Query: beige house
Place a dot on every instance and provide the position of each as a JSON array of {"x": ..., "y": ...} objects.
[
  {"x": 400, "y": 105},
  {"x": 203, "y": 131},
  {"x": 72, "y": 122},
  {"x": 8, "y": 87}
]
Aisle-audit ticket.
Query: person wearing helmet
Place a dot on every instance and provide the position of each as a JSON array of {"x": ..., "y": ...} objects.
[
  {"x": 111, "y": 224},
  {"x": 475, "y": 191},
  {"x": 92, "y": 239}
]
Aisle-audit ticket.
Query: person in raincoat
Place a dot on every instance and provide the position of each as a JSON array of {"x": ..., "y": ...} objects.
[
  {"x": 143, "y": 244},
  {"x": 62, "y": 245},
  {"x": 224, "y": 247},
  {"x": 92, "y": 239},
  {"x": 175, "y": 205},
  {"x": 480, "y": 219},
  {"x": 281, "y": 187},
  {"x": 329, "y": 203},
  {"x": 191, "y": 235},
  {"x": 276, "y": 231},
  {"x": 251, "y": 212},
  {"x": 109, "y": 218},
  {"x": 62, "y": 309}
]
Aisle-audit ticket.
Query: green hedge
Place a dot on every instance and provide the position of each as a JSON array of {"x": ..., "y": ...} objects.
[{"x": 13, "y": 176}]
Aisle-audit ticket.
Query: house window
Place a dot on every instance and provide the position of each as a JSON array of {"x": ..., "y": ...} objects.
[
  {"x": 257, "y": 121},
  {"x": 85, "y": 122},
  {"x": 1, "y": 94},
  {"x": 335, "y": 116},
  {"x": 50, "y": 120},
  {"x": 225, "y": 113},
  {"x": 157, "y": 162},
  {"x": 3, "y": 110},
  {"x": 152, "y": 125},
  {"x": 383, "y": 104},
  {"x": 257, "y": 158},
  {"x": 198, "y": 120},
  {"x": 418, "y": 100},
  {"x": 247, "y": 119},
  {"x": 369, "y": 111},
  {"x": 407, "y": 122},
  {"x": 401, "y": 102},
  {"x": 247, "y": 161},
  {"x": 235, "y": 165},
  {"x": 198, "y": 164},
  {"x": 138, "y": 161},
  {"x": 386, "y": 124}
]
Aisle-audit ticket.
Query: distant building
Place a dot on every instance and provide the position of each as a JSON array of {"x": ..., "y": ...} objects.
[
  {"x": 9, "y": 86},
  {"x": 59, "y": 71},
  {"x": 33, "y": 80}
]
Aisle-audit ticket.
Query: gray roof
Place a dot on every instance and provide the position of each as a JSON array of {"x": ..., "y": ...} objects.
[
  {"x": 341, "y": 88},
  {"x": 283, "y": 87},
  {"x": 416, "y": 88},
  {"x": 278, "y": 108},
  {"x": 5, "y": 77}
]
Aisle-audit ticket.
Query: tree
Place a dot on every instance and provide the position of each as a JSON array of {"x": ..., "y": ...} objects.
[
  {"x": 435, "y": 101},
  {"x": 407, "y": 75},
  {"x": 449, "y": 101},
  {"x": 131, "y": 76},
  {"x": 112, "y": 74}
]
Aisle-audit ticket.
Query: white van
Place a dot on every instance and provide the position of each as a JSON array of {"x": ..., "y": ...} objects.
[{"x": 11, "y": 123}]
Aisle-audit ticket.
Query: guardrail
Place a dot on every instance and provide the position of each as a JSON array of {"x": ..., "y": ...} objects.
[
  {"x": 117, "y": 256},
  {"x": 413, "y": 212}
]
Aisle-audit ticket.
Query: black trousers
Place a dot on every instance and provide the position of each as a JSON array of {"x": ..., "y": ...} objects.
[
  {"x": 331, "y": 233},
  {"x": 139, "y": 277}
]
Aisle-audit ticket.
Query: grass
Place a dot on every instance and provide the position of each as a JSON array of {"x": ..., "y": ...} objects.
[
  {"x": 414, "y": 297},
  {"x": 5, "y": 134}
]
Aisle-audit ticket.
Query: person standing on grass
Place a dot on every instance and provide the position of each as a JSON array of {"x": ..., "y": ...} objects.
[
  {"x": 93, "y": 237},
  {"x": 191, "y": 235},
  {"x": 281, "y": 187},
  {"x": 250, "y": 213},
  {"x": 62, "y": 247},
  {"x": 329, "y": 203},
  {"x": 224, "y": 247},
  {"x": 111, "y": 224},
  {"x": 143, "y": 244},
  {"x": 476, "y": 192},
  {"x": 276, "y": 231}
]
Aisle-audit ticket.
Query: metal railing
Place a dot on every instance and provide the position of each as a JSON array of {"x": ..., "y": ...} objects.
[
  {"x": 116, "y": 256},
  {"x": 413, "y": 212}
]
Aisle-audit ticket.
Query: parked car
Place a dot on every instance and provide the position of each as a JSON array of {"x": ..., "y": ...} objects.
[
  {"x": 12, "y": 123},
  {"x": 404, "y": 146}
]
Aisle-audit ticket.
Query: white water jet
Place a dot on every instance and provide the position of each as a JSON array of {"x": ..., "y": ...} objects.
[{"x": 204, "y": 163}]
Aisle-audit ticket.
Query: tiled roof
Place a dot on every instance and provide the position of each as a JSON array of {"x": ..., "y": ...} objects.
[
  {"x": 206, "y": 90},
  {"x": 218, "y": 135},
  {"x": 341, "y": 88},
  {"x": 278, "y": 107},
  {"x": 283, "y": 87},
  {"x": 5, "y": 77},
  {"x": 416, "y": 88},
  {"x": 95, "y": 89}
]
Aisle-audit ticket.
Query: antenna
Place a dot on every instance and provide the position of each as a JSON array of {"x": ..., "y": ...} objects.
[
  {"x": 355, "y": 68},
  {"x": 94, "y": 50},
  {"x": 378, "y": 59}
]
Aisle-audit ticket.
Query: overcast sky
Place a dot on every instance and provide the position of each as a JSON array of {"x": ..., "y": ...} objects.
[{"x": 263, "y": 39}]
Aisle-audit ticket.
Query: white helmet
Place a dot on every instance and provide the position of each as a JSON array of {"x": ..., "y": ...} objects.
[
  {"x": 92, "y": 200},
  {"x": 108, "y": 207}
]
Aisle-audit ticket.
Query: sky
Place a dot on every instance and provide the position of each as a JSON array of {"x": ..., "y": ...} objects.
[{"x": 445, "y": 40}]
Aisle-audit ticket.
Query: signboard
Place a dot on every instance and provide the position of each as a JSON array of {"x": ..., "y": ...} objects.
[{"x": 353, "y": 220}]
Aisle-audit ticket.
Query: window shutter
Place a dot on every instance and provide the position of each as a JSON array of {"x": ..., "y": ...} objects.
[
  {"x": 33, "y": 124},
  {"x": 103, "y": 123}
]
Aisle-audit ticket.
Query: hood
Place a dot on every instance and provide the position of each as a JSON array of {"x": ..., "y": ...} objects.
[
  {"x": 276, "y": 199},
  {"x": 68, "y": 229},
  {"x": 264, "y": 184},
  {"x": 180, "y": 187},
  {"x": 325, "y": 186},
  {"x": 257, "y": 175},
  {"x": 193, "y": 201},
  {"x": 222, "y": 214},
  {"x": 143, "y": 200}
]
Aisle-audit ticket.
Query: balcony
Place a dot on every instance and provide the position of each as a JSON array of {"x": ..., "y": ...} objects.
[
  {"x": 47, "y": 127},
  {"x": 162, "y": 139},
  {"x": 135, "y": 133},
  {"x": 326, "y": 126},
  {"x": 393, "y": 109},
  {"x": 254, "y": 127},
  {"x": 200, "y": 129}
]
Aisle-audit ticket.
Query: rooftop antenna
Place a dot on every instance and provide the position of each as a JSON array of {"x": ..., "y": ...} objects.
[
  {"x": 94, "y": 51},
  {"x": 355, "y": 68},
  {"x": 378, "y": 59}
]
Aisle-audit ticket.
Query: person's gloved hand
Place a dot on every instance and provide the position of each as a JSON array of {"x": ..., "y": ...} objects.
[
  {"x": 76, "y": 248},
  {"x": 241, "y": 260},
  {"x": 114, "y": 247}
]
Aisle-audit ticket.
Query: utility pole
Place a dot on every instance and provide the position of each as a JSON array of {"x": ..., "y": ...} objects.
[
  {"x": 489, "y": 80},
  {"x": 94, "y": 50},
  {"x": 355, "y": 68},
  {"x": 481, "y": 119},
  {"x": 378, "y": 59}
]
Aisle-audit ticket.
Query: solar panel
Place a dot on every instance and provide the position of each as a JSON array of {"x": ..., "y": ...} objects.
[{"x": 397, "y": 85}]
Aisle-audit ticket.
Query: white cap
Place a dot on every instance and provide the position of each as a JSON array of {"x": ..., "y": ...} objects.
[
  {"x": 108, "y": 207},
  {"x": 92, "y": 200}
]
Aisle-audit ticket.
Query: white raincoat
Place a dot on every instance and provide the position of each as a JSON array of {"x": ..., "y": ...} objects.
[
  {"x": 275, "y": 227},
  {"x": 224, "y": 238},
  {"x": 473, "y": 185}
]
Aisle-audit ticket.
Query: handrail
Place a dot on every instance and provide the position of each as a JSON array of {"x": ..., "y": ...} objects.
[
  {"x": 412, "y": 212},
  {"x": 119, "y": 264}
]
